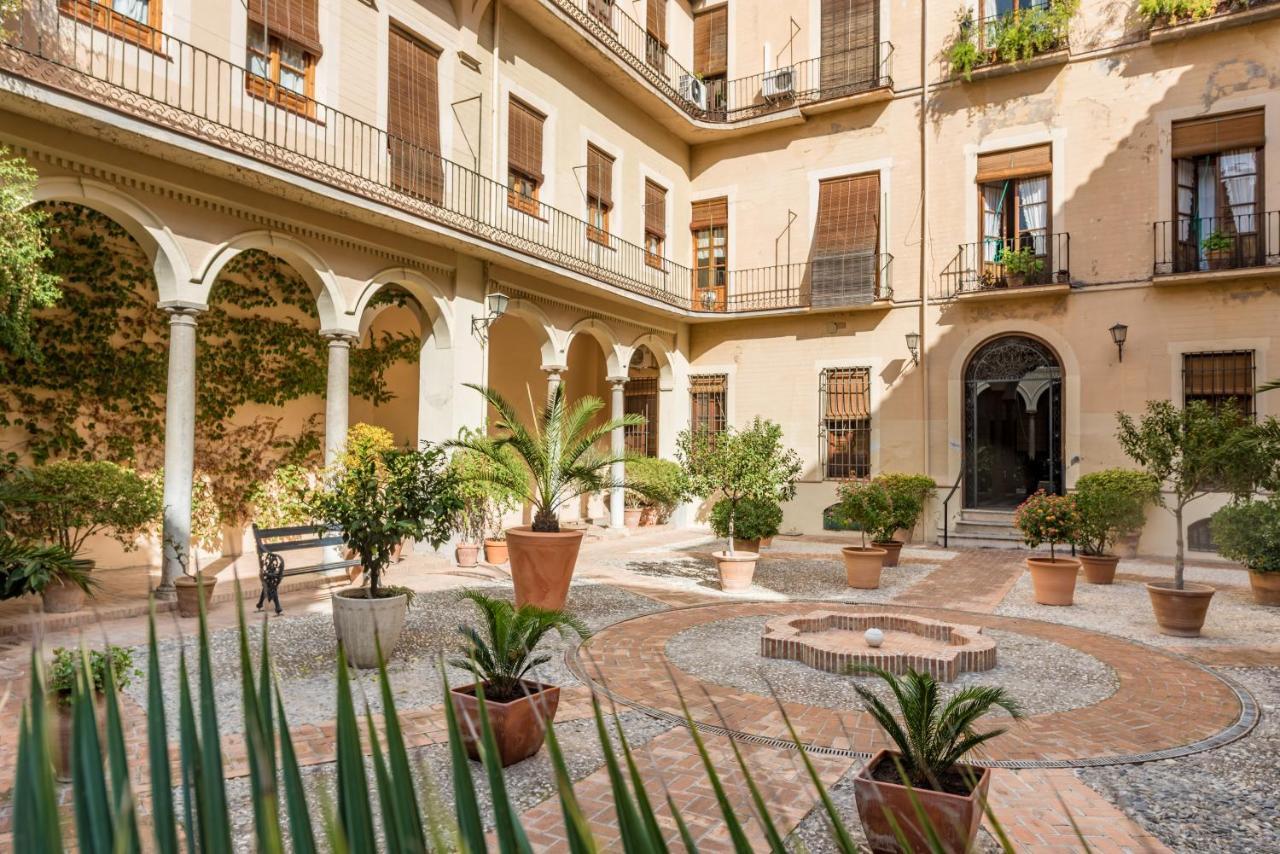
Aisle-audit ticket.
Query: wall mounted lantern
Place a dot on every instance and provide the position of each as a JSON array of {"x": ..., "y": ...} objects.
[
  {"x": 1119, "y": 333},
  {"x": 913, "y": 344},
  {"x": 496, "y": 304}
]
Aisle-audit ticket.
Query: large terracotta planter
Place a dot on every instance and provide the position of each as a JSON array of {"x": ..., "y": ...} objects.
[
  {"x": 892, "y": 550},
  {"x": 467, "y": 555},
  {"x": 736, "y": 570},
  {"x": 62, "y": 597},
  {"x": 1054, "y": 579},
  {"x": 766, "y": 542},
  {"x": 1266, "y": 587},
  {"x": 362, "y": 623},
  {"x": 518, "y": 726},
  {"x": 1180, "y": 613},
  {"x": 190, "y": 590},
  {"x": 542, "y": 565},
  {"x": 954, "y": 818},
  {"x": 862, "y": 566},
  {"x": 495, "y": 551},
  {"x": 743, "y": 545},
  {"x": 631, "y": 516},
  {"x": 1099, "y": 569}
]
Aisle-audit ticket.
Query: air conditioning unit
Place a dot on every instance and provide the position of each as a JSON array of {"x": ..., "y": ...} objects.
[
  {"x": 778, "y": 83},
  {"x": 693, "y": 90}
]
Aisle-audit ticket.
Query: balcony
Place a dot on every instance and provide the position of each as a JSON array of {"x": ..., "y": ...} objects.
[
  {"x": 1225, "y": 15},
  {"x": 1002, "y": 268},
  {"x": 174, "y": 86},
  {"x": 1206, "y": 249},
  {"x": 834, "y": 281},
  {"x": 1031, "y": 36}
]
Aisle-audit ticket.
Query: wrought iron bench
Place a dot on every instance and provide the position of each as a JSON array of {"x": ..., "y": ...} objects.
[{"x": 271, "y": 543}]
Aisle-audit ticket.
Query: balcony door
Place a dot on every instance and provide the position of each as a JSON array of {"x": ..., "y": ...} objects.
[
  {"x": 1016, "y": 213},
  {"x": 413, "y": 116},
  {"x": 1217, "y": 192},
  {"x": 850, "y": 39}
]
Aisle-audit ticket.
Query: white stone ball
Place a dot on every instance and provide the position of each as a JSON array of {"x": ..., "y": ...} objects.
[{"x": 873, "y": 637}]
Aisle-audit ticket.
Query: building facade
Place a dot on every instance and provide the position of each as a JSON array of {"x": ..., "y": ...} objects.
[{"x": 814, "y": 211}]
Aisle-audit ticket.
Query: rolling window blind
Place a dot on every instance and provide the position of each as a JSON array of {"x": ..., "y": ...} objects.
[
  {"x": 524, "y": 140},
  {"x": 710, "y": 213},
  {"x": 294, "y": 20},
  {"x": 711, "y": 41},
  {"x": 655, "y": 209},
  {"x": 1019, "y": 163},
  {"x": 1218, "y": 133},
  {"x": 599, "y": 176}
]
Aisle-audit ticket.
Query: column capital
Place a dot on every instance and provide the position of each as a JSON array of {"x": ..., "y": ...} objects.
[
  {"x": 618, "y": 381},
  {"x": 182, "y": 312},
  {"x": 555, "y": 370},
  {"x": 338, "y": 338}
]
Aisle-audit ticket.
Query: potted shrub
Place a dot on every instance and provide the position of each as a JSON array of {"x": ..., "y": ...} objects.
[
  {"x": 664, "y": 487},
  {"x": 1052, "y": 519},
  {"x": 632, "y": 508},
  {"x": 755, "y": 521},
  {"x": 1021, "y": 266},
  {"x": 921, "y": 788},
  {"x": 907, "y": 495},
  {"x": 1113, "y": 505},
  {"x": 738, "y": 465},
  {"x": 500, "y": 656},
  {"x": 1249, "y": 532},
  {"x": 51, "y": 571},
  {"x": 378, "y": 502},
  {"x": 560, "y": 459},
  {"x": 866, "y": 505},
  {"x": 1195, "y": 450},
  {"x": 486, "y": 488},
  {"x": 1218, "y": 249},
  {"x": 63, "y": 674}
]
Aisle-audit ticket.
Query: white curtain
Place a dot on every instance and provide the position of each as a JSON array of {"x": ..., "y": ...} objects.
[
  {"x": 135, "y": 9},
  {"x": 992, "y": 205},
  {"x": 1033, "y": 207},
  {"x": 1240, "y": 181},
  {"x": 1206, "y": 208}
]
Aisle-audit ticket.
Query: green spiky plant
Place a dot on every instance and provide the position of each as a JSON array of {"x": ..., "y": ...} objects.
[
  {"x": 503, "y": 654},
  {"x": 561, "y": 450}
]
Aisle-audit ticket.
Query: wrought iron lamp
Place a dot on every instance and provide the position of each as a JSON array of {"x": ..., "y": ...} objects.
[
  {"x": 496, "y": 304},
  {"x": 913, "y": 344},
  {"x": 1119, "y": 333}
]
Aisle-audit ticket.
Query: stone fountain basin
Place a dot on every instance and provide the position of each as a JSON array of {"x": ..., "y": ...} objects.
[{"x": 833, "y": 641}]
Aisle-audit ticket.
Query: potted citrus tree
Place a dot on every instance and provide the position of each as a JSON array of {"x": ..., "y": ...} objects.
[
  {"x": 738, "y": 465},
  {"x": 1052, "y": 519},
  {"x": 1113, "y": 505},
  {"x": 1249, "y": 532},
  {"x": 907, "y": 496},
  {"x": 50, "y": 571},
  {"x": 561, "y": 459},
  {"x": 64, "y": 672},
  {"x": 921, "y": 788},
  {"x": 754, "y": 521},
  {"x": 501, "y": 654},
  {"x": 866, "y": 505},
  {"x": 377, "y": 502}
]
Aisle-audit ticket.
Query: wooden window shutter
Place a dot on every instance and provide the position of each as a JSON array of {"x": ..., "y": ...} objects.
[
  {"x": 656, "y": 19},
  {"x": 1019, "y": 163},
  {"x": 848, "y": 393},
  {"x": 655, "y": 209},
  {"x": 413, "y": 115},
  {"x": 711, "y": 41},
  {"x": 710, "y": 213},
  {"x": 848, "y": 215},
  {"x": 850, "y": 31},
  {"x": 524, "y": 140},
  {"x": 599, "y": 176},
  {"x": 1226, "y": 374},
  {"x": 1218, "y": 133},
  {"x": 295, "y": 20}
]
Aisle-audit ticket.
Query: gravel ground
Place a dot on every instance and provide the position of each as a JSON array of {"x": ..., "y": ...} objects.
[
  {"x": 1043, "y": 676},
  {"x": 304, "y": 653},
  {"x": 1124, "y": 609},
  {"x": 1223, "y": 800}
]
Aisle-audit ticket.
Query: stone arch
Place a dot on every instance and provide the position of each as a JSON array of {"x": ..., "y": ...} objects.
[
  {"x": 432, "y": 301},
  {"x": 309, "y": 265},
  {"x": 662, "y": 351},
  {"x": 168, "y": 262},
  {"x": 552, "y": 348},
  {"x": 616, "y": 355}
]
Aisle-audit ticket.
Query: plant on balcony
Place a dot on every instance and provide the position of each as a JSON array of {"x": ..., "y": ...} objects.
[
  {"x": 964, "y": 55},
  {"x": 1176, "y": 11},
  {"x": 1021, "y": 266},
  {"x": 1014, "y": 37}
]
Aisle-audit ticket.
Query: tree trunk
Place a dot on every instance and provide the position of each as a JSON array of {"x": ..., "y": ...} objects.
[
  {"x": 545, "y": 522},
  {"x": 733, "y": 511},
  {"x": 1178, "y": 549}
]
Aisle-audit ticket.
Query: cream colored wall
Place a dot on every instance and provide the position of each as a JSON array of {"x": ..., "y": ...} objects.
[{"x": 403, "y": 379}]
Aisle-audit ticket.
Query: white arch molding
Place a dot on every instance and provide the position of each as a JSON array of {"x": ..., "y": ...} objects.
[
  {"x": 616, "y": 356},
  {"x": 550, "y": 340}
]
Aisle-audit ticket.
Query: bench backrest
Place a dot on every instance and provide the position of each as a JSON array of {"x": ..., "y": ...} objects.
[{"x": 295, "y": 537}]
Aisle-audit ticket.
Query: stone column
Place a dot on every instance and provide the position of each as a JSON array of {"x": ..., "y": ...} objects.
[
  {"x": 179, "y": 445},
  {"x": 555, "y": 376},
  {"x": 336, "y": 396},
  {"x": 617, "y": 444}
]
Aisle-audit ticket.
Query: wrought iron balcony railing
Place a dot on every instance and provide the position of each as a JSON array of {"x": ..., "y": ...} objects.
[
  {"x": 1034, "y": 28},
  {"x": 171, "y": 84},
  {"x": 825, "y": 78},
  {"x": 824, "y": 282},
  {"x": 1220, "y": 9},
  {"x": 1033, "y": 258},
  {"x": 1207, "y": 244}
]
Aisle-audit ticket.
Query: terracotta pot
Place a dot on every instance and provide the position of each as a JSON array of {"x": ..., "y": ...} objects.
[
  {"x": 736, "y": 570},
  {"x": 467, "y": 555},
  {"x": 518, "y": 726},
  {"x": 892, "y": 550},
  {"x": 1266, "y": 587},
  {"x": 1054, "y": 579},
  {"x": 362, "y": 623},
  {"x": 1099, "y": 569},
  {"x": 766, "y": 542},
  {"x": 954, "y": 818},
  {"x": 62, "y": 597},
  {"x": 542, "y": 565},
  {"x": 1180, "y": 613},
  {"x": 742, "y": 545},
  {"x": 495, "y": 551},
  {"x": 631, "y": 516},
  {"x": 648, "y": 517},
  {"x": 862, "y": 566},
  {"x": 191, "y": 589},
  {"x": 62, "y": 721}
]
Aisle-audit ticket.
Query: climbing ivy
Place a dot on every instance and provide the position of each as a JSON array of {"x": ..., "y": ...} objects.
[{"x": 98, "y": 391}]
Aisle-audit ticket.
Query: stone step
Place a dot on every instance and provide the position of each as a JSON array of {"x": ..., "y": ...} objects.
[{"x": 998, "y": 517}]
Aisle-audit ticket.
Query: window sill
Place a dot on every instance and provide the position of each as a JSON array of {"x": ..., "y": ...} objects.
[
  {"x": 528, "y": 207},
  {"x": 1019, "y": 292},
  {"x": 116, "y": 25},
  {"x": 1199, "y": 277},
  {"x": 1174, "y": 32},
  {"x": 260, "y": 90}
]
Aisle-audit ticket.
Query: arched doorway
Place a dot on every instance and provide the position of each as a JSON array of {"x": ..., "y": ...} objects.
[{"x": 1013, "y": 422}]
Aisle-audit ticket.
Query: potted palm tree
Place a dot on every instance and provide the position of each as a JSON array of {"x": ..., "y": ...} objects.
[
  {"x": 500, "y": 656},
  {"x": 866, "y": 505},
  {"x": 907, "y": 495},
  {"x": 1113, "y": 505},
  {"x": 50, "y": 571},
  {"x": 921, "y": 788},
  {"x": 1052, "y": 519}
]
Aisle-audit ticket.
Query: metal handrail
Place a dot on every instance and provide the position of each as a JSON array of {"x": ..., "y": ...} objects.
[
  {"x": 946, "y": 506},
  {"x": 984, "y": 265},
  {"x": 1200, "y": 244}
]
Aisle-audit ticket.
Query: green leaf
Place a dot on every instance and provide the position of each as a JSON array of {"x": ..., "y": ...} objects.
[
  {"x": 190, "y": 760},
  {"x": 301, "y": 834},
  {"x": 576, "y": 828},
  {"x": 215, "y": 819},
  {"x": 94, "y": 825},
  {"x": 122, "y": 805},
  {"x": 163, "y": 815},
  {"x": 353, "y": 789},
  {"x": 511, "y": 836},
  {"x": 470, "y": 829},
  {"x": 634, "y": 831}
]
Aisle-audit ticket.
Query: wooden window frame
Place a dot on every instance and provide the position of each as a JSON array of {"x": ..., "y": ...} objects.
[
  {"x": 270, "y": 89},
  {"x": 523, "y": 188},
  {"x": 655, "y": 224},
  {"x": 655, "y": 251},
  {"x": 711, "y": 228},
  {"x": 103, "y": 17},
  {"x": 599, "y": 202},
  {"x": 598, "y": 222}
]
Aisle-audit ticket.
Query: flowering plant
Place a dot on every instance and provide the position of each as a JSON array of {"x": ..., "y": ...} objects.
[{"x": 1045, "y": 518}]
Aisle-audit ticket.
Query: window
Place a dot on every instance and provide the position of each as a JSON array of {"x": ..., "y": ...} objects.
[
  {"x": 413, "y": 116},
  {"x": 1217, "y": 194},
  {"x": 1200, "y": 537},
  {"x": 846, "y": 241},
  {"x": 711, "y": 53},
  {"x": 137, "y": 21},
  {"x": 846, "y": 422},
  {"x": 602, "y": 11},
  {"x": 708, "y": 403},
  {"x": 1220, "y": 378},
  {"x": 599, "y": 194},
  {"x": 710, "y": 228},
  {"x": 655, "y": 223},
  {"x": 640, "y": 397},
  {"x": 283, "y": 46},
  {"x": 524, "y": 156},
  {"x": 850, "y": 45},
  {"x": 656, "y": 33},
  {"x": 1013, "y": 198}
]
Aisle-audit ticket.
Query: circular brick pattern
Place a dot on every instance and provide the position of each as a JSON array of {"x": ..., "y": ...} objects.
[{"x": 1163, "y": 706}]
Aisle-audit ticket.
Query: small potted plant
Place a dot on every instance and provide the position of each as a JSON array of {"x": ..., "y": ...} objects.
[
  {"x": 1113, "y": 505},
  {"x": 377, "y": 502},
  {"x": 1249, "y": 532},
  {"x": 501, "y": 655},
  {"x": 194, "y": 584},
  {"x": 755, "y": 521},
  {"x": 1021, "y": 266},
  {"x": 738, "y": 465},
  {"x": 50, "y": 571},
  {"x": 1218, "y": 249},
  {"x": 920, "y": 788},
  {"x": 1052, "y": 519},
  {"x": 864, "y": 504},
  {"x": 665, "y": 487},
  {"x": 64, "y": 671},
  {"x": 632, "y": 508},
  {"x": 487, "y": 489},
  {"x": 907, "y": 495}
]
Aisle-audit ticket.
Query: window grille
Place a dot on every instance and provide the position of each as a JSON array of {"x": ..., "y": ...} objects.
[
  {"x": 845, "y": 430},
  {"x": 1219, "y": 377},
  {"x": 641, "y": 397},
  {"x": 708, "y": 402}
]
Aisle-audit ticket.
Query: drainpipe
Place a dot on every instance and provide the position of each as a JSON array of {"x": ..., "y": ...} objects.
[
  {"x": 496, "y": 91},
  {"x": 923, "y": 367}
]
